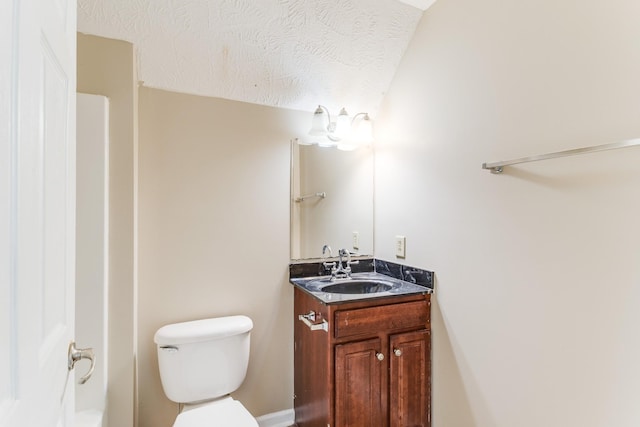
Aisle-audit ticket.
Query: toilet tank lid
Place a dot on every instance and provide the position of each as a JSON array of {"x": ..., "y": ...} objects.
[{"x": 202, "y": 330}]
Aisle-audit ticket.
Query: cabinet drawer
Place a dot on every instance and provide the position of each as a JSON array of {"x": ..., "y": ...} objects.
[{"x": 369, "y": 321}]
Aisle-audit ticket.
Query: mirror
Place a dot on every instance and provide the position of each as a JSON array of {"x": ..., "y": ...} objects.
[{"x": 331, "y": 200}]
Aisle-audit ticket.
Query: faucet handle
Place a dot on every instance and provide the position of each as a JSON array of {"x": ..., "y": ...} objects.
[
  {"x": 346, "y": 252},
  {"x": 329, "y": 265}
]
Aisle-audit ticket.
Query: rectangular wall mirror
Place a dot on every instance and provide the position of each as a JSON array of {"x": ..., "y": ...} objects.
[{"x": 331, "y": 200}]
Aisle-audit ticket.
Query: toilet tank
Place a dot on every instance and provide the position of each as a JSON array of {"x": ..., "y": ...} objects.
[{"x": 203, "y": 359}]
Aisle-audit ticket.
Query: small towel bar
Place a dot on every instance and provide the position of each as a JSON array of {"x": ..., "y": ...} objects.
[
  {"x": 321, "y": 195},
  {"x": 497, "y": 167}
]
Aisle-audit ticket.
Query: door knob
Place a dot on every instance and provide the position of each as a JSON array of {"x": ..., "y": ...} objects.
[
  {"x": 380, "y": 356},
  {"x": 397, "y": 352},
  {"x": 76, "y": 354}
]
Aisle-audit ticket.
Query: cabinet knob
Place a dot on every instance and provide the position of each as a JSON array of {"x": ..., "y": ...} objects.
[
  {"x": 380, "y": 356},
  {"x": 397, "y": 352}
]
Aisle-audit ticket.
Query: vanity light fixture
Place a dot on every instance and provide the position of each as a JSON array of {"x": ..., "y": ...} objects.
[
  {"x": 344, "y": 133},
  {"x": 361, "y": 132}
]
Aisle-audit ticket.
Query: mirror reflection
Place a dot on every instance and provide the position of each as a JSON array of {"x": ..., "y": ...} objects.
[{"x": 331, "y": 200}]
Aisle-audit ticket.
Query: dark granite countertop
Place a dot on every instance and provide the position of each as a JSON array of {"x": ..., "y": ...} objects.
[{"x": 404, "y": 280}]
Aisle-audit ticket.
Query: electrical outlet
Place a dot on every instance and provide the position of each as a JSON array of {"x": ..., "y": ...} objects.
[
  {"x": 401, "y": 243},
  {"x": 355, "y": 237}
]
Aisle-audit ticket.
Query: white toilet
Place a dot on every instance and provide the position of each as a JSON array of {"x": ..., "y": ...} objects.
[{"x": 200, "y": 363}]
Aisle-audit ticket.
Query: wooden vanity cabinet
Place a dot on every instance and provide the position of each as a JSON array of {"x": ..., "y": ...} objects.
[{"x": 370, "y": 367}]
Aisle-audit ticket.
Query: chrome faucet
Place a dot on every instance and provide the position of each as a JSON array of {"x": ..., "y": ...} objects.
[
  {"x": 343, "y": 272},
  {"x": 326, "y": 248},
  {"x": 328, "y": 265}
]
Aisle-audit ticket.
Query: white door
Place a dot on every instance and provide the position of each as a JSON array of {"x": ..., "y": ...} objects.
[{"x": 37, "y": 210}]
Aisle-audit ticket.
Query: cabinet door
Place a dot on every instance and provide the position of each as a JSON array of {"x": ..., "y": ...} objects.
[
  {"x": 410, "y": 379},
  {"x": 358, "y": 384}
]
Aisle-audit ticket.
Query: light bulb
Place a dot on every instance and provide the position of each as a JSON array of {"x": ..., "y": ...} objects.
[
  {"x": 343, "y": 125},
  {"x": 363, "y": 132}
]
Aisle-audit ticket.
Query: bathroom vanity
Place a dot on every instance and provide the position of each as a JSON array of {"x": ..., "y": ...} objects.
[{"x": 362, "y": 360}]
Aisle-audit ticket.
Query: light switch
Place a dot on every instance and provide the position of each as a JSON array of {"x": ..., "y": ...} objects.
[
  {"x": 356, "y": 240},
  {"x": 401, "y": 243}
]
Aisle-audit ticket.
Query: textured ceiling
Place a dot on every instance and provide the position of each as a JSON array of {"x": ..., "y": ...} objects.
[
  {"x": 286, "y": 53},
  {"x": 420, "y": 4}
]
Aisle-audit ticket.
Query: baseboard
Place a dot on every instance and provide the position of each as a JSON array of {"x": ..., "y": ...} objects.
[{"x": 284, "y": 418}]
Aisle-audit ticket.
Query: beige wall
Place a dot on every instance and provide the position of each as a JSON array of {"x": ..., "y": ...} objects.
[
  {"x": 214, "y": 235},
  {"x": 538, "y": 270},
  {"x": 107, "y": 67}
]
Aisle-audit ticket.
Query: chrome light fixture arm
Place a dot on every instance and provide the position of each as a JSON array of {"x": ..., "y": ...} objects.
[{"x": 366, "y": 117}]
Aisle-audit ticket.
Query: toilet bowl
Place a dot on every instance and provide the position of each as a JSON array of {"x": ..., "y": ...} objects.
[
  {"x": 225, "y": 412},
  {"x": 201, "y": 362}
]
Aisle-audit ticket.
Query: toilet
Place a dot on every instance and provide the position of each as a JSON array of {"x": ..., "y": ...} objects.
[{"x": 200, "y": 363}]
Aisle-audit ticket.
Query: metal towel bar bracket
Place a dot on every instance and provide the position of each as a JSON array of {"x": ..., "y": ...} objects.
[{"x": 498, "y": 167}]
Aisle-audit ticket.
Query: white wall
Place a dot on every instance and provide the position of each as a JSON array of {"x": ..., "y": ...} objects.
[
  {"x": 92, "y": 245},
  {"x": 537, "y": 301}
]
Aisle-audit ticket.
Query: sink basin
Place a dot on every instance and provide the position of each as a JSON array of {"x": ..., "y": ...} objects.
[
  {"x": 354, "y": 286},
  {"x": 360, "y": 286}
]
